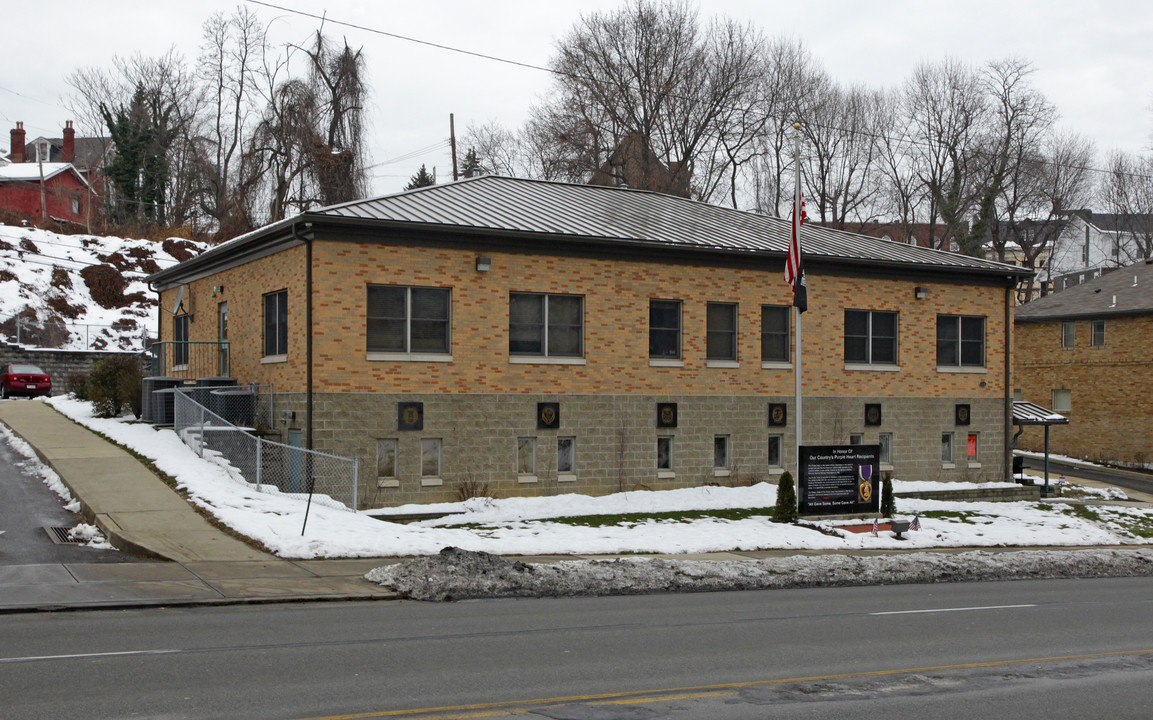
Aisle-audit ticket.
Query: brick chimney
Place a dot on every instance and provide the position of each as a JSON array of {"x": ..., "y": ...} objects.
[
  {"x": 16, "y": 154},
  {"x": 69, "y": 149}
]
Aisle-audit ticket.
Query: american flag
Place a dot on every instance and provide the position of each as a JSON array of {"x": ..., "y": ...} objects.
[
  {"x": 875, "y": 528},
  {"x": 916, "y": 524},
  {"x": 794, "y": 264}
]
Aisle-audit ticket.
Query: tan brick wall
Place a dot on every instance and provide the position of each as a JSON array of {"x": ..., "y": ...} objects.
[{"x": 1111, "y": 416}]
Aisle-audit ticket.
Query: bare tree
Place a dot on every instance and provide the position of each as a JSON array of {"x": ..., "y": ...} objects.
[
  {"x": 337, "y": 81},
  {"x": 900, "y": 193},
  {"x": 1127, "y": 191}
]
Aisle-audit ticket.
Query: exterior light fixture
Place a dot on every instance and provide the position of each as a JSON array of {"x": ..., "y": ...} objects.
[
  {"x": 483, "y": 264},
  {"x": 922, "y": 292}
]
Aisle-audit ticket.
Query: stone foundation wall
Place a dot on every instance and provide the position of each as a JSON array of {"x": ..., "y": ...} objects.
[{"x": 59, "y": 364}]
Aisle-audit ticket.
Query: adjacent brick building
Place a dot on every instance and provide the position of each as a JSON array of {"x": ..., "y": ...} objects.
[
  {"x": 1084, "y": 352},
  {"x": 545, "y": 337}
]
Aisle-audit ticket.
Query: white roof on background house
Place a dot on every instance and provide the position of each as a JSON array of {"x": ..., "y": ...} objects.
[
  {"x": 30, "y": 172},
  {"x": 536, "y": 211}
]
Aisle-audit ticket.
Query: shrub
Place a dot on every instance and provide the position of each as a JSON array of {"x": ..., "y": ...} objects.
[
  {"x": 77, "y": 384},
  {"x": 786, "y": 509},
  {"x": 114, "y": 385},
  {"x": 472, "y": 488},
  {"x": 888, "y": 504}
]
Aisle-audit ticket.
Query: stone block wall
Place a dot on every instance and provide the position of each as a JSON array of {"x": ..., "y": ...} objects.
[{"x": 59, "y": 364}]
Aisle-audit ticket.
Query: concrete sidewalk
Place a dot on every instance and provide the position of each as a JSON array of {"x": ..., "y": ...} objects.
[{"x": 142, "y": 515}]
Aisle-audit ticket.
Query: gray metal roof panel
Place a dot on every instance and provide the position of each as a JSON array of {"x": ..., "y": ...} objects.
[
  {"x": 1125, "y": 291},
  {"x": 1027, "y": 413}
]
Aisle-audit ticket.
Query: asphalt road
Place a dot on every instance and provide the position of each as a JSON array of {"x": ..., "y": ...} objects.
[
  {"x": 1128, "y": 480},
  {"x": 1027, "y": 649},
  {"x": 27, "y": 506}
]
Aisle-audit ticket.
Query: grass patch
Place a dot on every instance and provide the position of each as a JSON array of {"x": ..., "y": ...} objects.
[{"x": 638, "y": 518}]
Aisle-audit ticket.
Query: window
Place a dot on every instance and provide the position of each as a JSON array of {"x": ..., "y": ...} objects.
[
  {"x": 665, "y": 329},
  {"x": 774, "y": 333},
  {"x": 408, "y": 319},
  {"x": 566, "y": 455},
  {"x": 775, "y": 457},
  {"x": 720, "y": 452},
  {"x": 885, "y": 440},
  {"x": 856, "y": 439},
  {"x": 546, "y": 325},
  {"x": 1062, "y": 400},
  {"x": 430, "y": 457},
  {"x": 947, "y": 447},
  {"x": 1018, "y": 394},
  {"x": 526, "y": 456},
  {"x": 971, "y": 447},
  {"x": 180, "y": 340},
  {"x": 665, "y": 452},
  {"x": 870, "y": 337},
  {"x": 276, "y": 323},
  {"x": 75, "y": 206},
  {"x": 386, "y": 459},
  {"x": 1098, "y": 333},
  {"x": 960, "y": 341},
  {"x": 721, "y": 331},
  {"x": 1068, "y": 334}
]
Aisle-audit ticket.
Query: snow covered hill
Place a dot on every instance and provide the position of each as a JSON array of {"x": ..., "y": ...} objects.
[{"x": 81, "y": 292}]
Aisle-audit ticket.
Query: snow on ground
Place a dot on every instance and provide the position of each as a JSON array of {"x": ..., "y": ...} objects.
[
  {"x": 29, "y": 257},
  {"x": 31, "y": 464},
  {"x": 545, "y": 526}
]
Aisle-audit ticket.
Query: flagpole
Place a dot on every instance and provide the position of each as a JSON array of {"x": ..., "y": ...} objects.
[{"x": 796, "y": 309}]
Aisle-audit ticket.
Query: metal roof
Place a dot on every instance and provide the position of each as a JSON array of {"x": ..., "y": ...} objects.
[
  {"x": 1125, "y": 291},
  {"x": 510, "y": 207},
  {"x": 1027, "y": 413}
]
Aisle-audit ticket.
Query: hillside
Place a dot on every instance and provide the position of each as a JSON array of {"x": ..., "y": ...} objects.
[{"x": 81, "y": 291}]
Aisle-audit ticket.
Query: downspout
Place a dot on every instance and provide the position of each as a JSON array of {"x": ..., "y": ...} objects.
[
  {"x": 307, "y": 333},
  {"x": 1008, "y": 459}
]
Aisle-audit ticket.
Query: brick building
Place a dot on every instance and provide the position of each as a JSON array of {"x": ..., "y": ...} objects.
[
  {"x": 54, "y": 189},
  {"x": 545, "y": 337},
  {"x": 1084, "y": 353}
]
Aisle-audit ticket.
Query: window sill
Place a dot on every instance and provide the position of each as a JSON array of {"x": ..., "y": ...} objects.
[
  {"x": 387, "y": 483},
  {"x": 566, "y": 477},
  {"x": 975, "y": 466},
  {"x": 431, "y": 482},
  {"x": 948, "y": 466},
  {"x": 774, "y": 471},
  {"x": 885, "y": 467},
  {"x": 666, "y": 475},
  {"x": 721, "y": 472},
  {"x": 962, "y": 370},
  {"x": 867, "y": 367},
  {"x": 656, "y": 362},
  {"x": 776, "y": 365},
  {"x": 408, "y": 357},
  {"x": 180, "y": 368},
  {"x": 541, "y": 360},
  {"x": 722, "y": 363},
  {"x": 270, "y": 359},
  {"x": 526, "y": 479}
]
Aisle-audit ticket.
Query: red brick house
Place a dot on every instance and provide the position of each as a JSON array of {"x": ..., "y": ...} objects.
[{"x": 53, "y": 189}]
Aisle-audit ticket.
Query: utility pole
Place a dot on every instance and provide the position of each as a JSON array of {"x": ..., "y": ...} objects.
[
  {"x": 452, "y": 141},
  {"x": 43, "y": 199}
]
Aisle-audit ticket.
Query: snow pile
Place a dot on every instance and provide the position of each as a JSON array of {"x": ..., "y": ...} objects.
[
  {"x": 33, "y": 466},
  {"x": 58, "y": 284},
  {"x": 455, "y": 574}
]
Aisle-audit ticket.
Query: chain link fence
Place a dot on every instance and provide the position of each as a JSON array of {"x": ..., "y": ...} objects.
[
  {"x": 55, "y": 334},
  {"x": 271, "y": 467}
]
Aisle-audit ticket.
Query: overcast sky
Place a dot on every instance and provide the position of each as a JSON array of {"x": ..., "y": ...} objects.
[{"x": 1093, "y": 59}]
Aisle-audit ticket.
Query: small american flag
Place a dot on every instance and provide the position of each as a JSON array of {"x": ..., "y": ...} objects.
[
  {"x": 875, "y": 528},
  {"x": 916, "y": 524}
]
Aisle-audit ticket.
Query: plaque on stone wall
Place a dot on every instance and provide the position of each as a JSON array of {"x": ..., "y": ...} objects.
[
  {"x": 666, "y": 415},
  {"x": 961, "y": 414},
  {"x": 778, "y": 414},
  {"x": 547, "y": 416},
  {"x": 872, "y": 414},
  {"x": 410, "y": 416}
]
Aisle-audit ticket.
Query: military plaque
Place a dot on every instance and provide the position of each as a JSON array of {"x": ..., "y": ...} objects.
[
  {"x": 778, "y": 414},
  {"x": 872, "y": 414},
  {"x": 666, "y": 415},
  {"x": 410, "y": 416},
  {"x": 839, "y": 479},
  {"x": 547, "y": 416},
  {"x": 961, "y": 413}
]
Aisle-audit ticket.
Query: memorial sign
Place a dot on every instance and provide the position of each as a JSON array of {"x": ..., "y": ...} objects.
[{"x": 839, "y": 479}]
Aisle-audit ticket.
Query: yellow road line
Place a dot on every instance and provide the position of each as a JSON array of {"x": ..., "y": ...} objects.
[{"x": 642, "y": 696}]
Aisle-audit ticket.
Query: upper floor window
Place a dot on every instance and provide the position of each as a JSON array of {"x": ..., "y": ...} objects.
[
  {"x": 665, "y": 329},
  {"x": 721, "y": 331},
  {"x": 871, "y": 337},
  {"x": 546, "y": 325},
  {"x": 276, "y": 323},
  {"x": 775, "y": 333},
  {"x": 960, "y": 341},
  {"x": 1068, "y": 334},
  {"x": 1098, "y": 333},
  {"x": 408, "y": 319}
]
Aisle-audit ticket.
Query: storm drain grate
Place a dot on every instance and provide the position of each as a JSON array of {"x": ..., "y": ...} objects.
[{"x": 60, "y": 536}]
